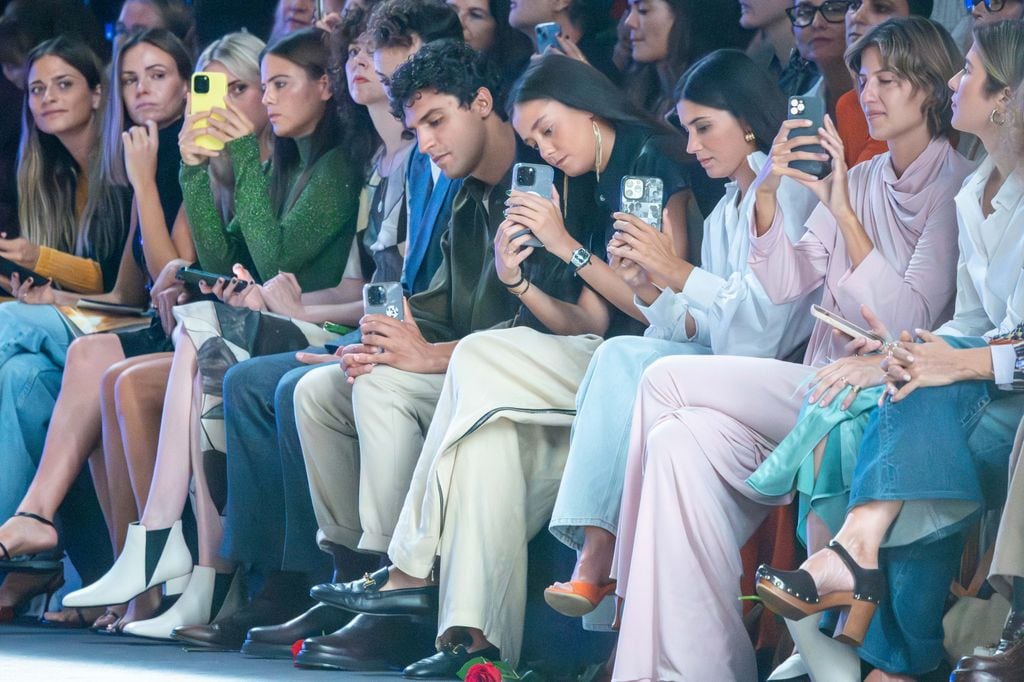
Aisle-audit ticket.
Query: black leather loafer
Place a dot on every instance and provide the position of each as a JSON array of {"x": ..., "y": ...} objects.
[
  {"x": 365, "y": 596},
  {"x": 275, "y": 641},
  {"x": 447, "y": 662},
  {"x": 370, "y": 643}
]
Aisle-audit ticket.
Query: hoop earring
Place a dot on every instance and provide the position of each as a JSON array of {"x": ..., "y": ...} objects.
[
  {"x": 597, "y": 150},
  {"x": 750, "y": 137},
  {"x": 997, "y": 117}
]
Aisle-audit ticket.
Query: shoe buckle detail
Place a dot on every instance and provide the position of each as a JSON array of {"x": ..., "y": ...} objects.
[{"x": 368, "y": 581}]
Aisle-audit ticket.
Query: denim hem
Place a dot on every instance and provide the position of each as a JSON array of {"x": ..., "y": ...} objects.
[
  {"x": 569, "y": 531},
  {"x": 917, "y": 497}
]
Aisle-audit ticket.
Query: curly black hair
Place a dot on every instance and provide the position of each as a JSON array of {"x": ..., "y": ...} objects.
[
  {"x": 450, "y": 67},
  {"x": 393, "y": 23}
]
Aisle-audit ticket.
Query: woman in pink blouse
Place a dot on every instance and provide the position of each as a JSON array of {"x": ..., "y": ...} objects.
[{"x": 884, "y": 235}]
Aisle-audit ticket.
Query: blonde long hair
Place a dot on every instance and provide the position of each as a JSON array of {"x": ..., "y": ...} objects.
[
  {"x": 240, "y": 54},
  {"x": 48, "y": 175}
]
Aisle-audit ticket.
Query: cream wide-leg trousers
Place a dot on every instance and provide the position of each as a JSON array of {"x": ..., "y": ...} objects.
[
  {"x": 489, "y": 473},
  {"x": 701, "y": 425}
]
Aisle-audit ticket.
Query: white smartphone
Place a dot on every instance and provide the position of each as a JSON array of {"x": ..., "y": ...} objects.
[{"x": 843, "y": 325}]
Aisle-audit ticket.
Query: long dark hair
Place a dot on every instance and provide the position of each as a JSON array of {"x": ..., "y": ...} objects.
[
  {"x": 699, "y": 27},
  {"x": 729, "y": 80},
  {"x": 511, "y": 49},
  {"x": 48, "y": 175},
  {"x": 360, "y": 138},
  {"x": 106, "y": 211},
  {"x": 308, "y": 49},
  {"x": 580, "y": 86}
]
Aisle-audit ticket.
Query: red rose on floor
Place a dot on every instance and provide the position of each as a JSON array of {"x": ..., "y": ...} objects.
[
  {"x": 483, "y": 672},
  {"x": 296, "y": 648}
]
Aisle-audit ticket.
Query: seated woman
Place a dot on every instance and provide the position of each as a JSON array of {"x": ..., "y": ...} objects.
[
  {"x": 511, "y": 418},
  {"x": 732, "y": 110},
  {"x": 900, "y": 492},
  {"x": 297, "y": 215},
  {"x": 153, "y": 70},
  {"x": 883, "y": 233}
]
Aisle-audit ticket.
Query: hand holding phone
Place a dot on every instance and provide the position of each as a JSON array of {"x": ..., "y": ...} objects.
[
  {"x": 547, "y": 36},
  {"x": 384, "y": 298},
  {"x": 194, "y": 276},
  {"x": 209, "y": 91},
  {"x": 643, "y": 197},
  {"x": 534, "y": 178},
  {"x": 811, "y": 108}
]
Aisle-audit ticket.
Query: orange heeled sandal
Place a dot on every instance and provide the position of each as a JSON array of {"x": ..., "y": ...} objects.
[{"x": 576, "y": 598}]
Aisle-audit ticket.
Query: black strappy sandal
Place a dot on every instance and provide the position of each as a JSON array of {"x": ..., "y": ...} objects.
[{"x": 40, "y": 562}]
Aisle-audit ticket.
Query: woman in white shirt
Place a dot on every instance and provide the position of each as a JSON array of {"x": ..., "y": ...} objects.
[{"x": 731, "y": 109}]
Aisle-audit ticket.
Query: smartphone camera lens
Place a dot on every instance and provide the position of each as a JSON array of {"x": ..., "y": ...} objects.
[
  {"x": 376, "y": 295},
  {"x": 525, "y": 176},
  {"x": 633, "y": 189},
  {"x": 201, "y": 84}
]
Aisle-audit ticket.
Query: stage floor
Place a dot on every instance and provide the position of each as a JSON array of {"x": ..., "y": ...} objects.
[{"x": 33, "y": 653}]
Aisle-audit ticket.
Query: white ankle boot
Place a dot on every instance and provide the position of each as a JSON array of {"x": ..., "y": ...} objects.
[
  {"x": 149, "y": 557},
  {"x": 192, "y": 608}
]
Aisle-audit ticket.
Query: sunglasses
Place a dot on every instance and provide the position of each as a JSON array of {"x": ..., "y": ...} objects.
[
  {"x": 990, "y": 5},
  {"x": 832, "y": 11}
]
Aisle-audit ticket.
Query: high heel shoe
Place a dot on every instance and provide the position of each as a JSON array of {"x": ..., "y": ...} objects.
[
  {"x": 149, "y": 558},
  {"x": 577, "y": 599},
  {"x": 56, "y": 581},
  {"x": 38, "y": 562},
  {"x": 793, "y": 595}
]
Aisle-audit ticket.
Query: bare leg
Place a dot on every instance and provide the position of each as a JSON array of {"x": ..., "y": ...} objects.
[
  {"x": 818, "y": 534},
  {"x": 73, "y": 436},
  {"x": 882, "y": 676},
  {"x": 169, "y": 489},
  {"x": 133, "y": 394},
  {"x": 595, "y": 561},
  {"x": 208, "y": 521},
  {"x": 862, "y": 533}
]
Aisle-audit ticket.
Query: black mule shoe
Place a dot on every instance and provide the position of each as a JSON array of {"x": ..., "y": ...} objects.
[
  {"x": 448, "y": 662},
  {"x": 41, "y": 562},
  {"x": 793, "y": 595}
]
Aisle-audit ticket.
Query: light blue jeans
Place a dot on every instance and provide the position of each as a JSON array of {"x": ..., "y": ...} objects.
[
  {"x": 33, "y": 344},
  {"x": 591, "y": 489}
]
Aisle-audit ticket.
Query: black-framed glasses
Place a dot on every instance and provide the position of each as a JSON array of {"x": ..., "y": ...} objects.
[
  {"x": 833, "y": 11},
  {"x": 990, "y": 5}
]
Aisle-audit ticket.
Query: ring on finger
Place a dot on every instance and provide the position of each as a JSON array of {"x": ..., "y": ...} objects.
[{"x": 843, "y": 381}]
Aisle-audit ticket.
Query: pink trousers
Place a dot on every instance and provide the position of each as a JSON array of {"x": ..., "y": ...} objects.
[{"x": 701, "y": 425}]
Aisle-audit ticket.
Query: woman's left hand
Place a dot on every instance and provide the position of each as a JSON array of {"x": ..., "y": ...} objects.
[
  {"x": 282, "y": 294},
  {"x": 651, "y": 249},
  {"x": 543, "y": 218},
  {"x": 141, "y": 144},
  {"x": 28, "y": 292},
  {"x": 510, "y": 253},
  {"x": 834, "y": 190},
  {"x": 931, "y": 363},
  {"x": 859, "y": 371},
  {"x": 20, "y": 250}
]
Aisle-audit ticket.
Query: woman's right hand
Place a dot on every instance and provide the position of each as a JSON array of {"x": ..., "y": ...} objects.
[
  {"x": 510, "y": 253},
  {"x": 191, "y": 153},
  {"x": 250, "y": 297},
  {"x": 229, "y": 124},
  {"x": 782, "y": 152},
  {"x": 29, "y": 292}
]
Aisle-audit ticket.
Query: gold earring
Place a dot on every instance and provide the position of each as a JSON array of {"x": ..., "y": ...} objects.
[
  {"x": 750, "y": 137},
  {"x": 597, "y": 150},
  {"x": 997, "y": 117}
]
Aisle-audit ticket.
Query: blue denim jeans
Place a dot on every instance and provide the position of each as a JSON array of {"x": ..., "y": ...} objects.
[
  {"x": 270, "y": 524},
  {"x": 942, "y": 452},
  {"x": 591, "y": 488},
  {"x": 33, "y": 347}
]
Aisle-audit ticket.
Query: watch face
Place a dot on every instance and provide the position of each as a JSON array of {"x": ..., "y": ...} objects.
[{"x": 580, "y": 257}]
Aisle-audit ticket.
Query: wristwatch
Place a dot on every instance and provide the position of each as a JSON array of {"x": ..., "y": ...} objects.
[{"x": 579, "y": 258}]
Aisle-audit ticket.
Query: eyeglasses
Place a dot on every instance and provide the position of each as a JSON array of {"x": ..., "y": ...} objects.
[
  {"x": 833, "y": 11},
  {"x": 990, "y": 5}
]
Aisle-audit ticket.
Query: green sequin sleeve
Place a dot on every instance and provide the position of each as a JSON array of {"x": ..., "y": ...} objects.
[
  {"x": 216, "y": 248},
  {"x": 313, "y": 238}
]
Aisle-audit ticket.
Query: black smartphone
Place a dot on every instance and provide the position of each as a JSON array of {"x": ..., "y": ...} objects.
[
  {"x": 9, "y": 267},
  {"x": 643, "y": 197},
  {"x": 547, "y": 36},
  {"x": 194, "y": 277},
  {"x": 535, "y": 178},
  {"x": 384, "y": 298},
  {"x": 812, "y": 108}
]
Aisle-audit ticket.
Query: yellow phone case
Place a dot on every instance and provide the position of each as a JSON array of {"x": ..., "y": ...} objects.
[{"x": 215, "y": 96}]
